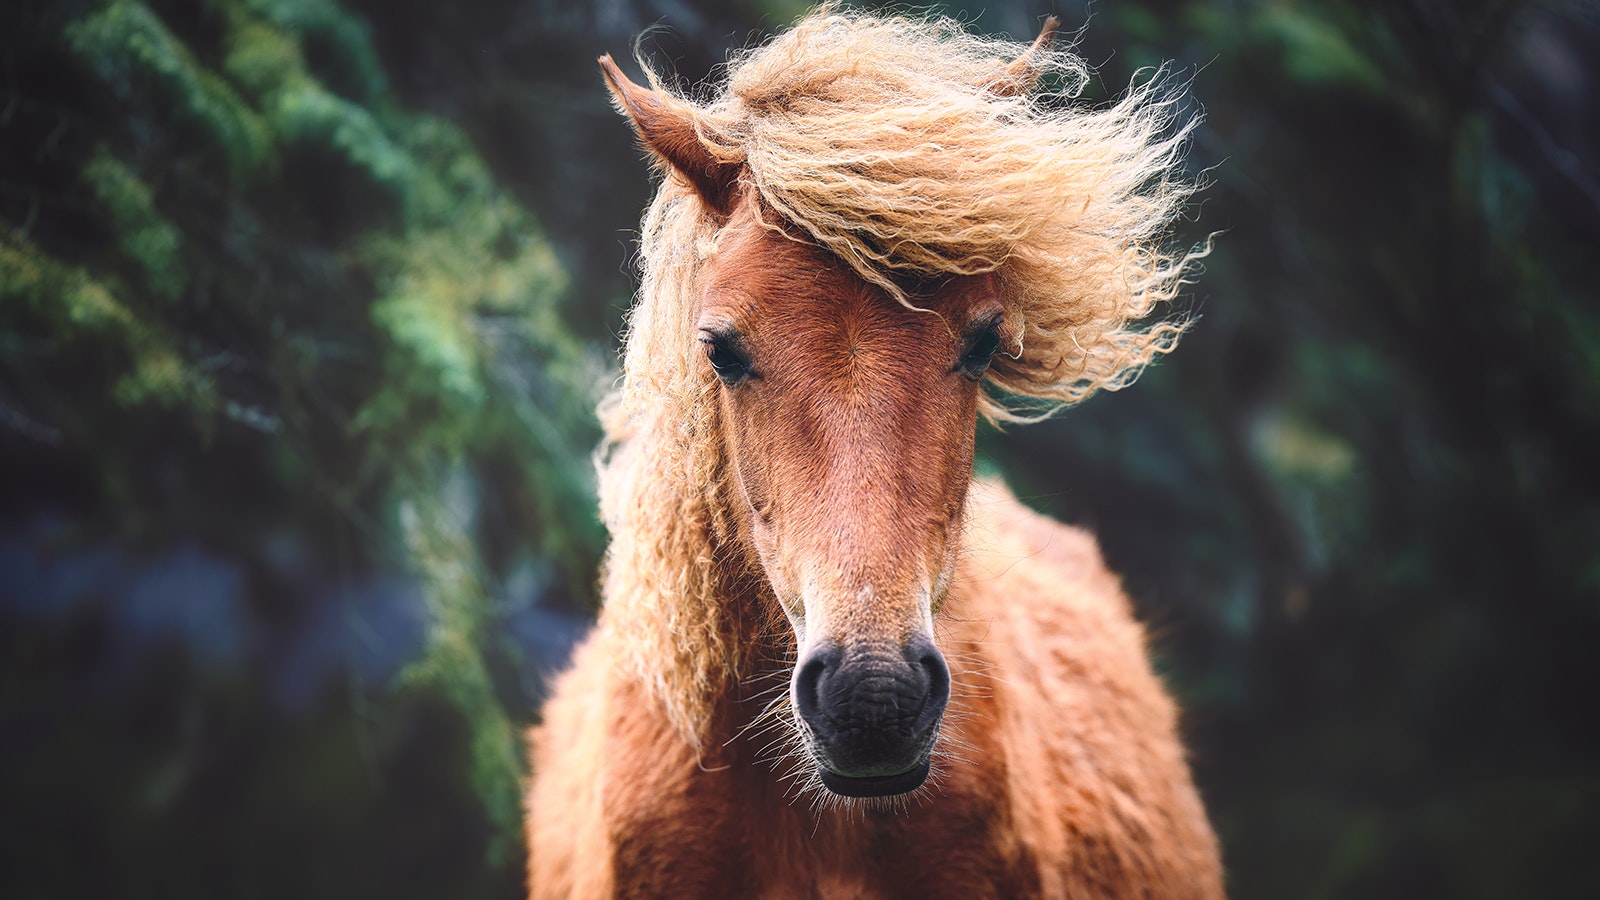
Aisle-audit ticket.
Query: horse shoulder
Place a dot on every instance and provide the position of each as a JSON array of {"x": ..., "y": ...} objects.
[{"x": 1097, "y": 777}]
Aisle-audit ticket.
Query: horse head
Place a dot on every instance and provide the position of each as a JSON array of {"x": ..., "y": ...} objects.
[{"x": 848, "y": 413}]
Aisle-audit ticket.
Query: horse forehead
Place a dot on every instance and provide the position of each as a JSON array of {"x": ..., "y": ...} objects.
[
  {"x": 854, "y": 315},
  {"x": 770, "y": 282}
]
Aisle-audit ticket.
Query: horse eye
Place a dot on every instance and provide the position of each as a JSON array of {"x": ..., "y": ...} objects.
[
  {"x": 724, "y": 361},
  {"x": 978, "y": 356}
]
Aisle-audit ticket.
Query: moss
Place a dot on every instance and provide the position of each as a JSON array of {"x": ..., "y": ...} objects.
[
  {"x": 261, "y": 59},
  {"x": 85, "y": 310},
  {"x": 308, "y": 113},
  {"x": 36, "y": 280},
  {"x": 429, "y": 336},
  {"x": 376, "y": 372},
  {"x": 161, "y": 378},
  {"x": 344, "y": 43},
  {"x": 433, "y": 520},
  {"x": 139, "y": 59},
  {"x": 145, "y": 238}
]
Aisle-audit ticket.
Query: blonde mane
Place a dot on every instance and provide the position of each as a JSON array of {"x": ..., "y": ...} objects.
[{"x": 885, "y": 142}]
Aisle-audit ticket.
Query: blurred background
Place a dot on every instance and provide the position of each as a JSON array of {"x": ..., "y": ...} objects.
[{"x": 305, "y": 306}]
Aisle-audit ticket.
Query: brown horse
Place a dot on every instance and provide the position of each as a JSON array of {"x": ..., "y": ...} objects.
[{"x": 828, "y": 664}]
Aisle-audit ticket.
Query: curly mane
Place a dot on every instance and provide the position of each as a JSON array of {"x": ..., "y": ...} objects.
[{"x": 887, "y": 142}]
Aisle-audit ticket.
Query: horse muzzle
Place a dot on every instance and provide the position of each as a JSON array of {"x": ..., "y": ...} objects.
[{"x": 872, "y": 714}]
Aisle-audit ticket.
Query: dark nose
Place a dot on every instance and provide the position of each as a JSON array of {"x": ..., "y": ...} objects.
[{"x": 872, "y": 712}]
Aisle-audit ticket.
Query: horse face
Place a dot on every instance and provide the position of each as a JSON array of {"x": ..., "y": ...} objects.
[{"x": 849, "y": 420}]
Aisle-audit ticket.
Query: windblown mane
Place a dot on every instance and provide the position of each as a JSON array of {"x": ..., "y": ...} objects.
[{"x": 885, "y": 141}]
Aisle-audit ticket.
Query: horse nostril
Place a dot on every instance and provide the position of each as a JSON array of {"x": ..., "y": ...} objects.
[
  {"x": 808, "y": 681},
  {"x": 938, "y": 675}
]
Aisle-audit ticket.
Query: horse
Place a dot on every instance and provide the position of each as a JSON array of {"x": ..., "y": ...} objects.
[{"x": 828, "y": 661}]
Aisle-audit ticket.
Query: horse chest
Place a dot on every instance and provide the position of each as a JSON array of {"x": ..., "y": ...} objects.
[
  {"x": 897, "y": 855},
  {"x": 682, "y": 831}
]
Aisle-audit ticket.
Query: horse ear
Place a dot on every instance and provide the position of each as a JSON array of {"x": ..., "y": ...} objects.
[
  {"x": 667, "y": 131},
  {"x": 1022, "y": 73}
]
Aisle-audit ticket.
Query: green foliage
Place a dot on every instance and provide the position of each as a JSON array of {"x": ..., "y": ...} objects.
[
  {"x": 147, "y": 240},
  {"x": 343, "y": 41},
  {"x": 132, "y": 52},
  {"x": 242, "y": 249},
  {"x": 437, "y": 533},
  {"x": 1315, "y": 50}
]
